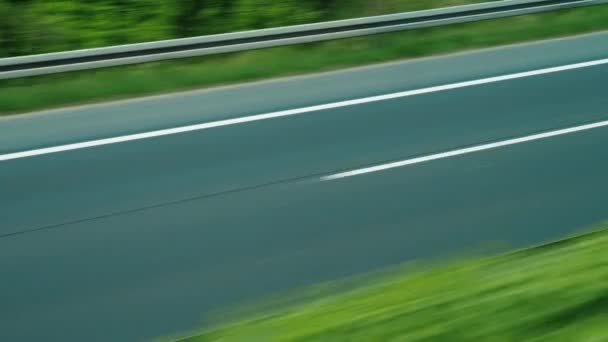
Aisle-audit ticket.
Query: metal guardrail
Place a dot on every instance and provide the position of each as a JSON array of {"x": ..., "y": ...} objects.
[{"x": 50, "y": 63}]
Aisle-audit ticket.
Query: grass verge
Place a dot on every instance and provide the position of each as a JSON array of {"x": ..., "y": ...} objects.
[
  {"x": 555, "y": 292},
  {"x": 29, "y": 94}
]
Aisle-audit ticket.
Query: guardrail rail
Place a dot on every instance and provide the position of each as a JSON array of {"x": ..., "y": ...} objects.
[{"x": 59, "y": 62}]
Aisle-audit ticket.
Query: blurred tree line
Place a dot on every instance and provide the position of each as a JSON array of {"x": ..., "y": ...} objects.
[{"x": 38, "y": 26}]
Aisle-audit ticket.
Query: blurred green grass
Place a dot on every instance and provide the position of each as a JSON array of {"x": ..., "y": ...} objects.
[
  {"x": 554, "y": 292},
  {"x": 29, "y": 94}
]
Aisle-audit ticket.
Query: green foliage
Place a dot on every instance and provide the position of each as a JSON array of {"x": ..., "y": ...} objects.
[
  {"x": 42, "y": 26},
  {"x": 38, "y": 26},
  {"x": 12, "y": 29},
  {"x": 256, "y": 14}
]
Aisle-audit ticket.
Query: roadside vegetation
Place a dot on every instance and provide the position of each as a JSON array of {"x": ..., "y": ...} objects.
[
  {"x": 39, "y": 26},
  {"x": 35, "y": 93},
  {"x": 554, "y": 292}
]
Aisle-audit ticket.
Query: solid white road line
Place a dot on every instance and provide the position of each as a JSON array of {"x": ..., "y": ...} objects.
[
  {"x": 462, "y": 151},
  {"x": 283, "y": 113}
]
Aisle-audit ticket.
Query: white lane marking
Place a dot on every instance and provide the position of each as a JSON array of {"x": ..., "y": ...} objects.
[
  {"x": 462, "y": 151},
  {"x": 283, "y": 113}
]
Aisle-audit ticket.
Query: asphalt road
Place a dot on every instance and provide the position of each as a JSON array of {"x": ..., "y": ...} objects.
[{"x": 140, "y": 239}]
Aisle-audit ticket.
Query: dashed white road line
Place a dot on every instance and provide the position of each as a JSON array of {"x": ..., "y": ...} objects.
[
  {"x": 290, "y": 112},
  {"x": 462, "y": 151}
]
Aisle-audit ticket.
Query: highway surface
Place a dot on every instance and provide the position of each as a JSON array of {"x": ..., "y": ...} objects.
[{"x": 146, "y": 236}]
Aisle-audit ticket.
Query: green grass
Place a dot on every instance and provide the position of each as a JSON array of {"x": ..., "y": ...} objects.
[
  {"x": 555, "y": 292},
  {"x": 29, "y": 94}
]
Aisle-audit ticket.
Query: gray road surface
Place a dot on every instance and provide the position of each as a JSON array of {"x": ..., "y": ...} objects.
[{"x": 140, "y": 239}]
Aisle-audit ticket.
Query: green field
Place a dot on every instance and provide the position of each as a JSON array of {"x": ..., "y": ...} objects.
[
  {"x": 554, "y": 292},
  {"x": 93, "y": 86}
]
